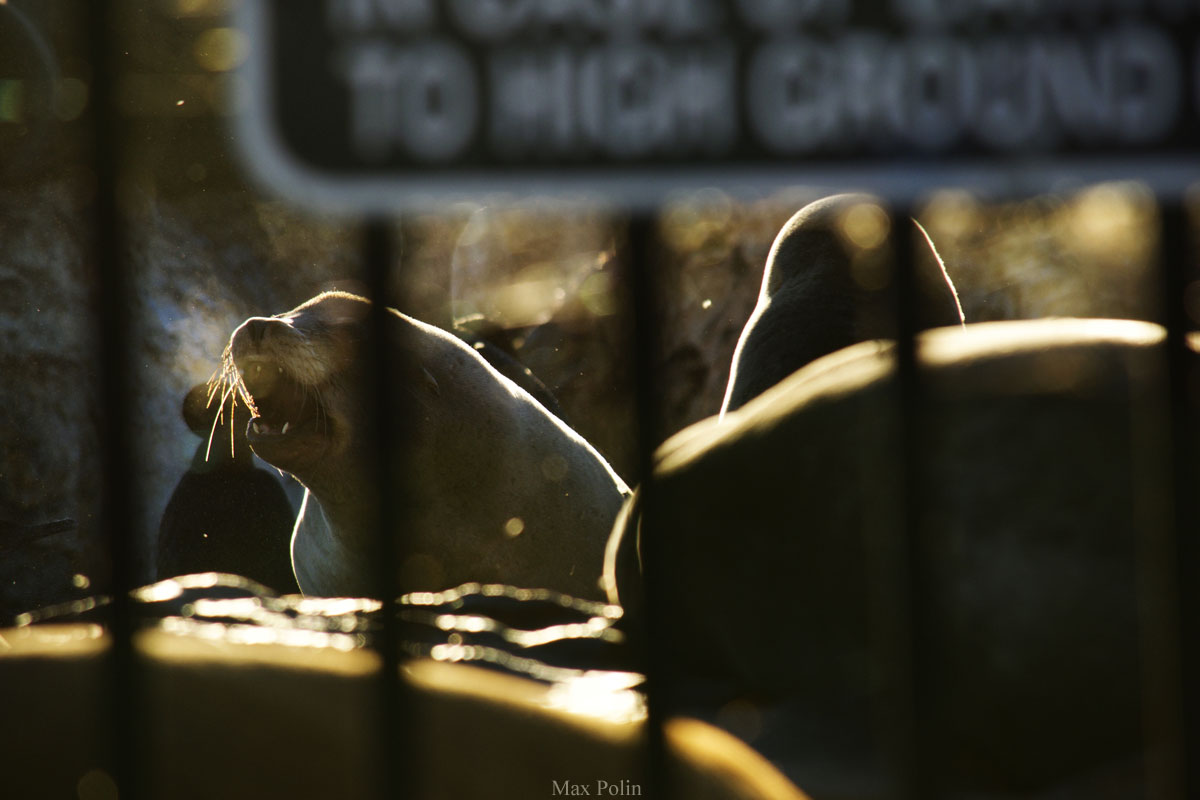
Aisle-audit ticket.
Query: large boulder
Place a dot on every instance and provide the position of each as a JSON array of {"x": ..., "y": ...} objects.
[{"x": 1041, "y": 458}]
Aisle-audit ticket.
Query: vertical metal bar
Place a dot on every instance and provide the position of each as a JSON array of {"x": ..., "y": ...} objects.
[
  {"x": 111, "y": 289},
  {"x": 395, "y": 756},
  {"x": 1176, "y": 255},
  {"x": 643, "y": 297},
  {"x": 908, "y": 735}
]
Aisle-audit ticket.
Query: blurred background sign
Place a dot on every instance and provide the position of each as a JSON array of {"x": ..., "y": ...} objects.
[{"x": 379, "y": 104}]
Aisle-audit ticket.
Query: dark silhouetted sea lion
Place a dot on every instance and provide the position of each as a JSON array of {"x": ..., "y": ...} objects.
[
  {"x": 500, "y": 490},
  {"x": 226, "y": 514},
  {"x": 1042, "y": 458},
  {"x": 825, "y": 287}
]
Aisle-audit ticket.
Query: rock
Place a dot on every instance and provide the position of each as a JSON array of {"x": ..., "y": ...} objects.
[
  {"x": 232, "y": 720},
  {"x": 1041, "y": 452}
]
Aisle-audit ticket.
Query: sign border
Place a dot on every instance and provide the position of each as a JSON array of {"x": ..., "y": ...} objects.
[{"x": 641, "y": 188}]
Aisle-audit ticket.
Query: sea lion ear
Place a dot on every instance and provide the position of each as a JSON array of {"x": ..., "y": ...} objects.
[{"x": 431, "y": 382}]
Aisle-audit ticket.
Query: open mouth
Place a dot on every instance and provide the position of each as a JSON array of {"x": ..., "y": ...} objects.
[{"x": 281, "y": 406}]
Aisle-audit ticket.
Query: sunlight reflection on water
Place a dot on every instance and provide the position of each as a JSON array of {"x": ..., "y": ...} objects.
[
  {"x": 607, "y": 695},
  {"x": 570, "y": 643}
]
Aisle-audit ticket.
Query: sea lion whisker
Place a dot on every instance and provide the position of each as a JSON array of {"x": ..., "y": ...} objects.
[
  {"x": 232, "y": 423},
  {"x": 313, "y": 393},
  {"x": 232, "y": 376},
  {"x": 216, "y": 381},
  {"x": 225, "y": 395},
  {"x": 221, "y": 378},
  {"x": 212, "y": 431},
  {"x": 322, "y": 411},
  {"x": 243, "y": 392}
]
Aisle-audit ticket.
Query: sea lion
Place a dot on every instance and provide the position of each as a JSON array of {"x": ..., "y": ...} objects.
[
  {"x": 824, "y": 287},
  {"x": 226, "y": 514},
  {"x": 1042, "y": 454},
  {"x": 499, "y": 489}
]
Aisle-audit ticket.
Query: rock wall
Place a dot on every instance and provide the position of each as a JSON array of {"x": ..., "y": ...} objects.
[{"x": 198, "y": 272}]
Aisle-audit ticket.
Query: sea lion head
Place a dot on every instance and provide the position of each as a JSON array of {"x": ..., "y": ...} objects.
[
  {"x": 299, "y": 373},
  {"x": 826, "y": 285}
]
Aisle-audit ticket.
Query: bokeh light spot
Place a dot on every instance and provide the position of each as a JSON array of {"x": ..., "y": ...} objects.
[
  {"x": 96, "y": 784},
  {"x": 70, "y": 100},
  {"x": 865, "y": 226},
  {"x": 220, "y": 49}
]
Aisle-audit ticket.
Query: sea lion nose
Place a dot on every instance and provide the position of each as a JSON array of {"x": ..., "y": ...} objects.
[
  {"x": 251, "y": 338},
  {"x": 255, "y": 329},
  {"x": 250, "y": 355}
]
